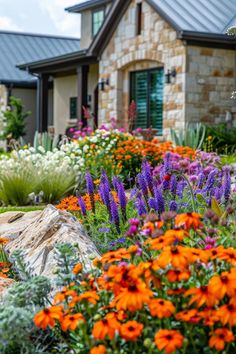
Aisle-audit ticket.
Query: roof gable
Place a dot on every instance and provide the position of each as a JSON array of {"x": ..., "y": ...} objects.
[
  {"x": 87, "y": 5},
  {"x": 16, "y": 48}
]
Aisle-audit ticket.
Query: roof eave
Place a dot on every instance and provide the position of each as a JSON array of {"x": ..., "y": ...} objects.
[
  {"x": 88, "y": 5},
  {"x": 19, "y": 83},
  {"x": 54, "y": 60},
  {"x": 207, "y": 38}
]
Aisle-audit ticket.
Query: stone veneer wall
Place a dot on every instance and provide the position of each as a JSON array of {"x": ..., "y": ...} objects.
[
  {"x": 156, "y": 46},
  {"x": 210, "y": 80}
]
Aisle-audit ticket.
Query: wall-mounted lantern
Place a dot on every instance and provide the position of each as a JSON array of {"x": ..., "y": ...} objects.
[
  {"x": 170, "y": 76},
  {"x": 103, "y": 83}
]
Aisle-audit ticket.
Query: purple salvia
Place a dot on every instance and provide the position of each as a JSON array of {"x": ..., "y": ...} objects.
[
  {"x": 140, "y": 206},
  {"x": 146, "y": 171},
  {"x": 142, "y": 184},
  {"x": 173, "y": 185},
  {"x": 173, "y": 206},
  {"x": 90, "y": 189},
  {"x": 82, "y": 205},
  {"x": 152, "y": 203},
  {"x": 104, "y": 178},
  {"x": 167, "y": 163},
  {"x": 104, "y": 192},
  {"x": 115, "y": 182},
  {"x": 122, "y": 198},
  {"x": 201, "y": 179},
  {"x": 160, "y": 200},
  {"x": 115, "y": 213},
  {"x": 218, "y": 192},
  {"x": 210, "y": 181},
  {"x": 226, "y": 184},
  {"x": 180, "y": 188}
]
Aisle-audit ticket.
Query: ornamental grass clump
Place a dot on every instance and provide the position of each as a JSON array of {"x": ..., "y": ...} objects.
[{"x": 166, "y": 292}]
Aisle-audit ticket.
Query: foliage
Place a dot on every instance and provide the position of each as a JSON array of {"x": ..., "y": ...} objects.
[
  {"x": 223, "y": 139},
  {"x": 15, "y": 119},
  {"x": 192, "y": 136},
  {"x": 45, "y": 141}
]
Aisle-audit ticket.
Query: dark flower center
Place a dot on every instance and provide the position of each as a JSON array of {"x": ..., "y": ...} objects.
[
  {"x": 131, "y": 328},
  {"x": 132, "y": 288},
  {"x": 46, "y": 311},
  {"x": 224, "y": 279},
  {"x": 175, "y": 251},
  {"x": 105, "y": 322},
  {"x": 230, "y": 307},
  {"x": 71, "y": 318},
  {"x": 189, "y": 214},
  {"x": 221, "y": 336},
  {"x": 169, "y": 337},
  {"x": 161, "y": 302},
  {"x": 204, "y": 289}
]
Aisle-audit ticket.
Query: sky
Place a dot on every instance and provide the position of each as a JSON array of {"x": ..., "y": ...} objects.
[{"x": 40, "y": 16}]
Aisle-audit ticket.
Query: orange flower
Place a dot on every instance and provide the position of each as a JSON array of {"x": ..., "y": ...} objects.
[
  {"x": 131, "y": 330},
  {"x": 89, "y": 296},
  {"x": 161, "y": 308},
  {"x": 209, "y": 316},
  {"x": 201, "y": 296},
  {"x": 220, "y": 337},
  {"x": 60, "y": 296},
  {"x": 188, "y": 220},
  {"x": 3, "y": 241},
  {"x": 133, "y": 297},
  {"x": 106, "y": 327},
  {"x": 70, "y": 322},
  {"x": 177, "y": 256},
  {"x": 47, "y": 317},
  {"x": 168, "y": 340},
  {"x": 114, "y": 256},
  {"x": 190, "y": 316},
  {"x": 176, "y": 275},
  {"x": 227, "y": 314},
  {"x": 77, "y": 268},
  {"x": 224, "y": 284},
  {"x": 100, "y": 349}
]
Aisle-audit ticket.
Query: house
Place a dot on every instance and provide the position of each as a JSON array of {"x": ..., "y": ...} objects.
[
  {"x": 172, "y": 57},
  {"x": 18, "y": 47}
]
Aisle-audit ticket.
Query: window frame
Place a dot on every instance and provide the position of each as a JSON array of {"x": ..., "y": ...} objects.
[
  {"x": 139, "y": 20},
  {"x": 99, "y": 9}
]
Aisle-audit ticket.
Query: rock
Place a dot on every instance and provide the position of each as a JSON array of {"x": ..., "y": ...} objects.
[
  {"x": 5, "y": 283},
  {"x": 13, "y": 223},
  {"x": 39, "y": 238}
]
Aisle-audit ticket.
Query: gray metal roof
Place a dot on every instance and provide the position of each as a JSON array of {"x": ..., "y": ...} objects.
[
  {"x": 210, "y": 16},
  {"x": 17, "y": 48},
  {"x": 87, "y": 5}
]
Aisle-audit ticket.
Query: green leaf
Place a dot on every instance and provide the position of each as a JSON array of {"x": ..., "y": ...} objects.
[
  {"x": 201, "y": 200},
  {"x": 216, "y": 208}
]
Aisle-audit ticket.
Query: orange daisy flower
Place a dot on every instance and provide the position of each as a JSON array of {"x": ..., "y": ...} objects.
[
  {"x": 106, "y": 327},
  {"x": 70, "y": 322},
  {"x": 60, "y": 296},
  {"x": 227, "y": 314},
  {"x": 168, "y": 340},
  {"x": 177, "y": 275},
  {"x": 190, "y": 316},
  {"x": 89, "y": 296},
  {"x": 224, "y": 284},
  {"x": 188, "y": 220},
  {"x": 100, "y": 349},
  {"x": 229, "y": 255},
  {"x": 3, "y": 241},
  {"x": 131, "y": 330},
  {"x": 48, "y": 317},
  {"x": 177, "y": 256},
  {"x": 220, "y": 337},
  {"x": 133, "y": 297},
  {"x": 77, "y": 268},
  {"x": 201, "y": 296},
  {"x": 161, "y": 308},
  {"x": 209, "y": 316},
  {"x": 115, "y": 256}
]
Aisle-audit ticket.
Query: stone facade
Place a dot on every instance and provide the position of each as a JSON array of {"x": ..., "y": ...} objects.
[
  {"x": 210, "y": 80},
  {"x": 205, "y": 76},
  {"x": 156, "y": 46}
]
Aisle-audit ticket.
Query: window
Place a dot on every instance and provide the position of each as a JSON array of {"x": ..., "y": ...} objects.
[
  {"x": 73, "y": 108},
  {"x": 97, "y": 18},
  {"x": 138, "y": 18},
  {"x": 147, "y": 92}
]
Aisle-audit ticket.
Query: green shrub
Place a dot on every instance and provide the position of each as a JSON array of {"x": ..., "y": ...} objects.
[{"x": 191, "y": 136}]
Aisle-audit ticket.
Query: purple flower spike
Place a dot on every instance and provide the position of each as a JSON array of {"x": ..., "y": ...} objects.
[
  {"x": 140, "y": 205},
  {"x": 104, "y": 192},
  {"x": 122, "y": 198},
  {"x": 142, "y": 184},
  {"x": 226, "y": 184},
  {"x": 146, "y": 171},
  {"x": 173, "y": 206},
  {"x": 82, "y": 205},
  {"x": 167, "y": 163},
  {"x": 159, "y": 200},
  {"x": 115, "y": 182},
  {"x": 115, "y": 213},
  {"x": 173, "y": 185},
  {"x": 152, "y": 203},
  {"x": 90, "y": 189}
]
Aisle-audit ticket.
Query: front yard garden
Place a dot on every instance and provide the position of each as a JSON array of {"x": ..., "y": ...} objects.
[{"x": 163, "y": 219}]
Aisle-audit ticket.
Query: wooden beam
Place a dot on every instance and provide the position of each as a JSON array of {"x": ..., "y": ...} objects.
[{"x": 43, "y": 103}]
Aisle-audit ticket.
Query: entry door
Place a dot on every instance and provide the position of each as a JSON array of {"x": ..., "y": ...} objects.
[{"x": 147, "y": 92}]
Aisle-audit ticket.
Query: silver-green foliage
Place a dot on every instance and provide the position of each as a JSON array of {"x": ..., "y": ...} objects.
[
  {"x": 192, "y": 136},
  {"x": 46, "y": 141}
]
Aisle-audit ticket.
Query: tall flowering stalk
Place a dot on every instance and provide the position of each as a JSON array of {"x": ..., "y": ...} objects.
[
  {"x": 90, "y": 189},
  {"x": 226, "y": 184},
  {"x": 122, "y": 199},
  {"x": 146, "y": 171},
  {"x": 115, "y": 213}
]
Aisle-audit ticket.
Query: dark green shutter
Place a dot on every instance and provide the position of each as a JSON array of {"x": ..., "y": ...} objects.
[{"x": 147, "y": 92}]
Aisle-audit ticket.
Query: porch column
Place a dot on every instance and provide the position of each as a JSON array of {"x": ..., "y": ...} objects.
[
  {"x": 42, "y": 103},
  {"x": 82, "y": 99}
]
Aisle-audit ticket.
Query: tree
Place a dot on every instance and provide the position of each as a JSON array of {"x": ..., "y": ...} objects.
[{"x": 15, "y": 119}]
